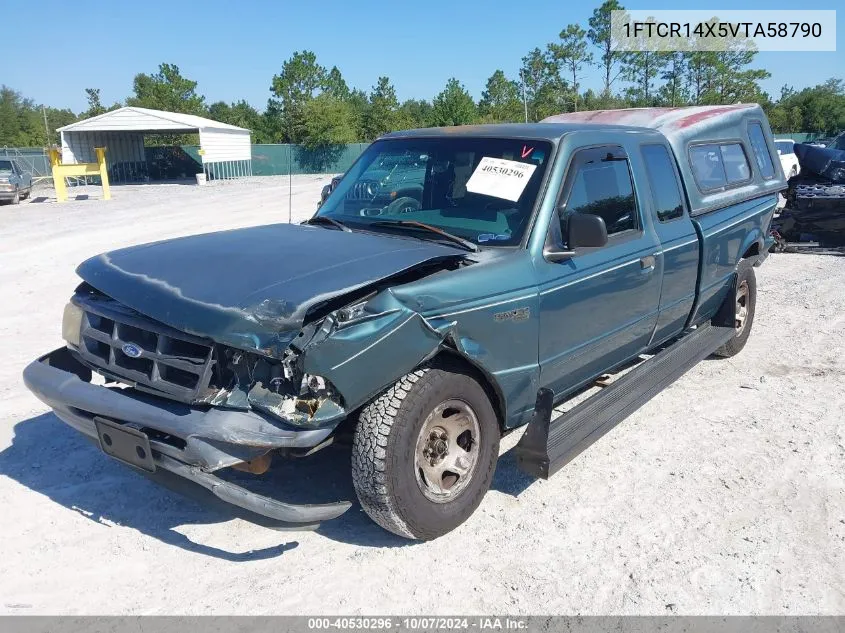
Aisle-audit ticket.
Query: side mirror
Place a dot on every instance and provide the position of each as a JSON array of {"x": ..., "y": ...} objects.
[{"x": 584, "y": 230}]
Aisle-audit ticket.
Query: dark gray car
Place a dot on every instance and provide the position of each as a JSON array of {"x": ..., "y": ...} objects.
[{"x": 15, "y": 183}]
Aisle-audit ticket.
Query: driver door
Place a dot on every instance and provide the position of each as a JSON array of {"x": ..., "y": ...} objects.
[{"x": 599, "y": 307}]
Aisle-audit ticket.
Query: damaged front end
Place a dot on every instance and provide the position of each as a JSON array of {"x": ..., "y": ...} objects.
[
  {"x": 193, "y": 406},
  {"x": 128, "y": 348}
]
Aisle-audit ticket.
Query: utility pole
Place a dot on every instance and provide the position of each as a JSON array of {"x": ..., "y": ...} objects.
[
  {"x": 290, "y": 183},
  {"x": 524, "y": 100},
  {"x": 46, "y": 127}
]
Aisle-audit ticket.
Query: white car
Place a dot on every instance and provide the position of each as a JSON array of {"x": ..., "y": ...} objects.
[{"x": 788, "y": 159}]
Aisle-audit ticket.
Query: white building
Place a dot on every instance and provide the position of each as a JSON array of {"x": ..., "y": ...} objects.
[{"x": 225, "y": 150}]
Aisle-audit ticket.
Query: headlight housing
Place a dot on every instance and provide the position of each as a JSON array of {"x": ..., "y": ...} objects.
[{"x": 72, "y": 324}]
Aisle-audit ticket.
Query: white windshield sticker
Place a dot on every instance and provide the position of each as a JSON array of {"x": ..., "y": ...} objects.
[{"x": 500, "y": 178}]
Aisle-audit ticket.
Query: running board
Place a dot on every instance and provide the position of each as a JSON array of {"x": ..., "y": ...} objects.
[{"x": 548, "y": 445}]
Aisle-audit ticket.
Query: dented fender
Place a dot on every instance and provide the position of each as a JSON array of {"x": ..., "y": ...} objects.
[{"x": 362, "y": 356}]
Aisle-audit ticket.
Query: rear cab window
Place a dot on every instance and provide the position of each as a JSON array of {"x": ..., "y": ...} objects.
[
  {"x": 600, "y": 183},
  {"x": 761, "y": 150},
  {"x": 784, "y": 147},
  {"x": 663, "y": 182},
  {"x": 719, "y": 165}
]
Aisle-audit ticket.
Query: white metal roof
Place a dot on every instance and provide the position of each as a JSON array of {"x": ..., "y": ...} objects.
[{"x": 131, "y": 118}]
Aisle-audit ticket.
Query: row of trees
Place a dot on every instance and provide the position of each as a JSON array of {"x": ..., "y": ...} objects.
[{"x": 313, "y": 105}]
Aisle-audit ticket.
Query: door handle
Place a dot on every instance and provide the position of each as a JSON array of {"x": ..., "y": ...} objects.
[{"x": 647, "y": 262}]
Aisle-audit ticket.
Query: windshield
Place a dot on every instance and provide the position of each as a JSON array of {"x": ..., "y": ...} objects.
[
  {"x": 480, "y": 189},
  {"x": 5, "y": 166},
  {"x": 784, "y": 147}
]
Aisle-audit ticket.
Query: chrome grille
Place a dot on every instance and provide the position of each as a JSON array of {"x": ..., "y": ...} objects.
[
  {"x": 363, "y": 190},
  {"x": 161, "y": 359}
]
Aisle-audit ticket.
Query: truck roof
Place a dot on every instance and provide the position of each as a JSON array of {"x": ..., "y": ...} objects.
[
  {"x": 539, "y": 131},
  {"x": 681, "y": 127},
  {"x": 667, "y": 120},
  {"x": 671, "y": 122}
]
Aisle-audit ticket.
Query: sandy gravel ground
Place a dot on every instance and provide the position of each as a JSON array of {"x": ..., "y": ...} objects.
[{"x": 724, "y": 495}]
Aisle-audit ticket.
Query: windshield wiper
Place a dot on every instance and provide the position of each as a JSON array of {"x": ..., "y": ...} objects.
[
  {"x": 324, "y": 219},
  {"x": 427, "y": 227}
]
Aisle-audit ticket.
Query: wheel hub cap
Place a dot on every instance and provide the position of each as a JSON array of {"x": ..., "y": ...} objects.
[
  {"x": 447, "y": 451},
  {"x": 741, "y": 313}
]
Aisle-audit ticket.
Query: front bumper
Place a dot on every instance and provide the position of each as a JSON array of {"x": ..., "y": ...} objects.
[
  {"x": 186, "y": 441},
  {"x": 7, "y": 195}
]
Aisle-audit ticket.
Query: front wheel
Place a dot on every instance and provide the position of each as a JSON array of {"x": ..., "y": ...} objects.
[
  {"x": 16, "y": 198},
  {"x": 424, "y": 453},
  {"x": 746, "y": 301}
]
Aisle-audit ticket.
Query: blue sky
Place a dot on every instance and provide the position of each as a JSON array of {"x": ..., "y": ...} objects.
[{"x": 233, "y": 48}]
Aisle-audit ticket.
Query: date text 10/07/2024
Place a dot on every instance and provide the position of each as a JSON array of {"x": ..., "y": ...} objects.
[{"x": 418, "y": 623}]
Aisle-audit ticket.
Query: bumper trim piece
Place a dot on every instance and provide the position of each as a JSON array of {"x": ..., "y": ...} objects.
[
  {"x": 214, "y": 438},
  {"x": 254, "y": 502}
]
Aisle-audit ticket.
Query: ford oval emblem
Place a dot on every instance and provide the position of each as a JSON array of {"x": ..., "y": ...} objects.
[{"x": 131, "y": 350}]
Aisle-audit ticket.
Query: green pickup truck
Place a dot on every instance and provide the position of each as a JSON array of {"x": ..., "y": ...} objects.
[{"x": 455, "y": 285}]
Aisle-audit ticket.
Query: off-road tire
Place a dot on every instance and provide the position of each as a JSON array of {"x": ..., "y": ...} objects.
[
  {"x": 25, "y": 195},
  {"x": 383, "y": 453},
  {"x": 734, "y": 346}
]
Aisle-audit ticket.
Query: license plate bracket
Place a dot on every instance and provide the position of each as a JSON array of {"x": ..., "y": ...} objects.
[{"x": 125, "y": 444}]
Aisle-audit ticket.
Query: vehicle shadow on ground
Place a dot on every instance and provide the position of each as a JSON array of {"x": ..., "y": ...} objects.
[
  {"x": 52, "y": 459},
  {"x": 509, "y": 479}
]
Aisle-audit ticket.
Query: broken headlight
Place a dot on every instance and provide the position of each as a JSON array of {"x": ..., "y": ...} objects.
[
  {"x": 353, "y": 312},
  {"x": 72, "y": 324}
]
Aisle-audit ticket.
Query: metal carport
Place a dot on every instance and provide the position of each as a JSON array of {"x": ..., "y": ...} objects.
[{"x": 225, "y": 150}]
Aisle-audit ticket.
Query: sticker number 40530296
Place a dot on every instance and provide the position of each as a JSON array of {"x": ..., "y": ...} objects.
[{"x": 500, "y": 178}]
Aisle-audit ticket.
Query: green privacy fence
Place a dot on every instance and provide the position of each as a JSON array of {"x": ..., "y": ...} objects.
[
  {"x": 275, "y": 160},
  {"x": 799, "y": 137},
  {"x": 170, "y": 162},
  {"x": 268, "y": 160}
]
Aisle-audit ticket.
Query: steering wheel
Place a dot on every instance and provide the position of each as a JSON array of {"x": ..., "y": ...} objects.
[{"x": 405, "y": 204}]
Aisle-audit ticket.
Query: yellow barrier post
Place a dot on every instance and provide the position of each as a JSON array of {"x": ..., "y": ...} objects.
[
  {"x": 60, "y": 172},
  {"x": 58, "y": 181},
  {"x": 104, "y": 172}
]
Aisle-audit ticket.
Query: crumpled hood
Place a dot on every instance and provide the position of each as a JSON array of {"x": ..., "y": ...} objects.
[{"x": 253, "y": 287}]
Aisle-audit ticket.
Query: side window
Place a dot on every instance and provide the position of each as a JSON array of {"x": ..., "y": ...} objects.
[
  {"x": 736, "y": 164},
  {"x": 601, "y": 184},
  {"x": 663, "y": 182},
  {"x": 761, "y": 150},
  {"x": 716, "y": 166}
]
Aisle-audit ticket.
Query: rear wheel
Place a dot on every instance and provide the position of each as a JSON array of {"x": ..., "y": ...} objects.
[
  {"x": 424, "y": 453},
  {"x": 746, "y": 301}
]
